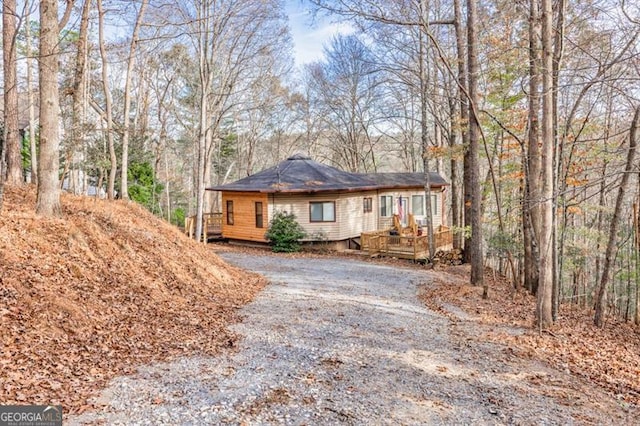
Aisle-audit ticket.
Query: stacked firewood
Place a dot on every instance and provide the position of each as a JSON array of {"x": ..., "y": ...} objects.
[{"x": 448, "y": 257}]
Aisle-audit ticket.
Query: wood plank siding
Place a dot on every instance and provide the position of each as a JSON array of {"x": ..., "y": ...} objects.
[{"x": 244, "y": 216}]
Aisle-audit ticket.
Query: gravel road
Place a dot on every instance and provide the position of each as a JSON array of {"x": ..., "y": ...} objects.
[{"x": 337, "y": 340}]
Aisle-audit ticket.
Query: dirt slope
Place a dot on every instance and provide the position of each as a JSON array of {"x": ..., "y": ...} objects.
[{"x": 95, "y": 293}]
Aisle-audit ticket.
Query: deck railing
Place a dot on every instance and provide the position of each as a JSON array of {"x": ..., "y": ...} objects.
[
  {"x": 404, "y": 246},
  {"x": 211, "y": 225}
]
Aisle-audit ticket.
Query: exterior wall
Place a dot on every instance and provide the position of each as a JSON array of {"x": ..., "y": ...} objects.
[
  {"x": 244, "y": 216},
  {"x": 350, "y": 221},
  {"x": 387, "y": 222}
]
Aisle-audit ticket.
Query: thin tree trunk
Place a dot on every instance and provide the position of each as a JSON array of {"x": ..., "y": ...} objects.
[
  {"x": 11, "y": 135},
  {"x": 531, "y": 207},
  {"x": 108, "y": 105},
  {"x": 124, "y": 184},
  {"x": 48, "y": 199},
  {"x": 558, "y": 50},
  {"x": 462, "y": 125},
  {"x": 79, "y": 82},
  {"x": 602, "y": 203},
  {"x": 636, "y": 229},
  {"x": 544, "y": 311},
  {"x": 33, "y": 147},
  {"x": 424, "y": 128},
  {"x": 598, "y": 318},
  {"x": 472, "y": 172},
  {"x": 203, "y": 125}
]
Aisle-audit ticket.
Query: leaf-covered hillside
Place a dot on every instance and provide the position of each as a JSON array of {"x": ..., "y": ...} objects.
[{"x": 104, "y": 288}]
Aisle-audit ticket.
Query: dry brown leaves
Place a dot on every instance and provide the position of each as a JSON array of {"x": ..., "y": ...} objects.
[
  {"x": 99, "y": 291},
  {"x": 609, "y": 357}
]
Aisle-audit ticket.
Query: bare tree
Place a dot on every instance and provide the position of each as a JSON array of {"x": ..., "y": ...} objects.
[
  {"x": 609, "y": 257},
  {"x": 347, "y": 91},
  {"x": 463, "y": 120},
  {"x": 79, "y": 92},
  {"x": 30, "y": 95},
  {"x": 108, "y": 106},
  {"x": 48, "y": 199},
  {"x": 11, "y": 134},
  {"x": 124, "y": 191},
  {"x": 229, "y": 39},
  {"x": 531, "y": 196},
  {"x": 472, "y": 190},
  {"x": 544, "y": 315}
]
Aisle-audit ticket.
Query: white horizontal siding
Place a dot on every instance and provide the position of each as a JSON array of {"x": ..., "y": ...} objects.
[
  {"x": 386, "y": 222},
  {"x": 351, "y": 220}
]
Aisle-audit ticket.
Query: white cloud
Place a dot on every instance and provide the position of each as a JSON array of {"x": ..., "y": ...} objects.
[{"x": 309, "y": 38}]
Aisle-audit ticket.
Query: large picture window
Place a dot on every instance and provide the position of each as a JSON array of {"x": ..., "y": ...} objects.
[
  {"x": 386, "y": 206},
  {"x": 229, "y": 212},
  {"x": 323, "y": 211},
  {"x": 259, "y": 218}
]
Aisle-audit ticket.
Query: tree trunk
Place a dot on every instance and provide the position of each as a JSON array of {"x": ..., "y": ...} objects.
[
  {"x": 424, "y": 128},
  {"x": 558, "y": 50},
  {"x": 473, "y": 193},
  {"x": 11, "y": 135},
  {"x": 79, "y": 82},
  {"x": 462, "y": 125},
  {"x": 33, "y": 147},
  {"x": 124, "y": 184},
  {"x": 636, "y": 229},
  {"x": 203, "y": 122},
  {"x": 530, "y": 207},
  {"x": 48, "y": 199},
  {"x": 609, "y": 257},
  {"x": 544, "y": 314},
  {"x": 108, "y": 105}
]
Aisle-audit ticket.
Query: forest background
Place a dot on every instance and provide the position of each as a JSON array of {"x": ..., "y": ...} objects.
[{"x": 529, "y": 108}]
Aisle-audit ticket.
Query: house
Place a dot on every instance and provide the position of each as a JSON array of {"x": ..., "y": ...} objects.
[{"x": 330, "y": 204}]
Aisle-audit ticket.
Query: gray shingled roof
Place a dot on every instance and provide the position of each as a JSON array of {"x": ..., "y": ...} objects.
[{"x": 301, "y": 174}]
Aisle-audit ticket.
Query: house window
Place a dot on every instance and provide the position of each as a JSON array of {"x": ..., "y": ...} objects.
[
  {"x": 324, "y": 211},
  {"x": 367, "y": 204},
  {"x": 229, "y": 212},
  {"x": 417, "y": 205},
  {"x": 386, "y": 206},
  {"x": 259, "y": 222}
]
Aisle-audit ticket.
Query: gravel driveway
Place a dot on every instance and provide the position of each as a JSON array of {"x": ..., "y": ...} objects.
[{"x": 337, "y": 340}]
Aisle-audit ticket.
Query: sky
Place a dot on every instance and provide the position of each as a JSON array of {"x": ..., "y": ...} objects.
[{"x": 308, "y": 36}]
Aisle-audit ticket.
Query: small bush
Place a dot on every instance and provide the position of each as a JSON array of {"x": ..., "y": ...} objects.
[
  {"x": 177, "y": 218},
  {"x": 284, "y": 233}
]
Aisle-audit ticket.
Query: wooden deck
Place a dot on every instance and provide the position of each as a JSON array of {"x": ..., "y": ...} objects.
[
  {"x": 211, "y": 226},
  {"x": 415, "y": 247}
]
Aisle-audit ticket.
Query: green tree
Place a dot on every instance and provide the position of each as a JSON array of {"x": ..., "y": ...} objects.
[{"x": 143, "y": 188}]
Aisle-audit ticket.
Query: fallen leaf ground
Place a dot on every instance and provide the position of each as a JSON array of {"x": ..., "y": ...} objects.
[
  {"x": 608, "y": 357},
  {"x": 99, "y": 291}
]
